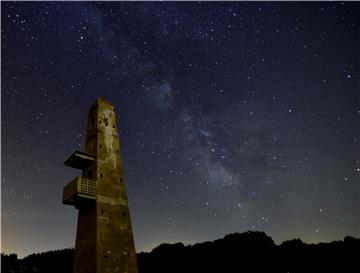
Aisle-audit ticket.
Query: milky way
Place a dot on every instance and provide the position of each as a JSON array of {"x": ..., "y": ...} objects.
[{"x": 233, "y": 116}]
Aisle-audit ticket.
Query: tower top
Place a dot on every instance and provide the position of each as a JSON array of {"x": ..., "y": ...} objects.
[{"x": 101, "y": 101}]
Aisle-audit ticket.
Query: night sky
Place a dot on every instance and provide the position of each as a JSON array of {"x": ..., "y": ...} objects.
[{"x": 232, "y": 117}]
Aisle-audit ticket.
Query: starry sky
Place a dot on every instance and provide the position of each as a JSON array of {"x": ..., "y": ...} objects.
[{"x": 233, "y": 116}]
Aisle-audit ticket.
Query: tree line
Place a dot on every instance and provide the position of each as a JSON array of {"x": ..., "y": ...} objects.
[{"x": 251, "y": 251}]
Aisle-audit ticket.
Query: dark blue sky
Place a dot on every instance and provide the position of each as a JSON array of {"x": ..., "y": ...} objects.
[{"x": 233, "y": 116}]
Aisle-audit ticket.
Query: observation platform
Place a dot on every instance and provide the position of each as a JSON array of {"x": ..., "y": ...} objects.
[
  {"x": 80, "y": 160},
  {"x": 80, "y": 189}
]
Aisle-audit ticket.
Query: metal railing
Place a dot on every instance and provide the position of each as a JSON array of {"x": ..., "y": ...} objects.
[
  {"x": 87, "y": 186},
  {"x": 79, "y": 188}
]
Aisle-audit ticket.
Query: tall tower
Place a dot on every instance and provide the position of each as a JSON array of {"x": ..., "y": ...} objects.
[{"x": 104, "y": 238}]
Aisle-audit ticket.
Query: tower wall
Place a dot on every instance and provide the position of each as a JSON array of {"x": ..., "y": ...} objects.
[{"x": 104, "y": 240}]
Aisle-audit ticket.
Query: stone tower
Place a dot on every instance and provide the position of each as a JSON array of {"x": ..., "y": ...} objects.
[{"x": 104, "y": 238}]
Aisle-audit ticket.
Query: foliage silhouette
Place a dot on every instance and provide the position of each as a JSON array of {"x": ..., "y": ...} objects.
[{"x": 251, "y": 251}]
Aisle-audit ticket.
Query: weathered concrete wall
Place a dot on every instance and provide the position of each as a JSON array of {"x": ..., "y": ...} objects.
[
  {"x": 104, "y": 234},
  {"x": 85, "y": 249}
]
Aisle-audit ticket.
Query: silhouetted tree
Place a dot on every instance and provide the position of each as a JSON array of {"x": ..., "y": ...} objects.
[
  {"x": 251, "y": 251},
  {"x": 9, "y": 263}
]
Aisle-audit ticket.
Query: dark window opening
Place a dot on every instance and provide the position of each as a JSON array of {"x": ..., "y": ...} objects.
[
  {"x": 106, "y": 121},
  {"x": 124, "y": 213},
  {"x": 101, "y": 175}
]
